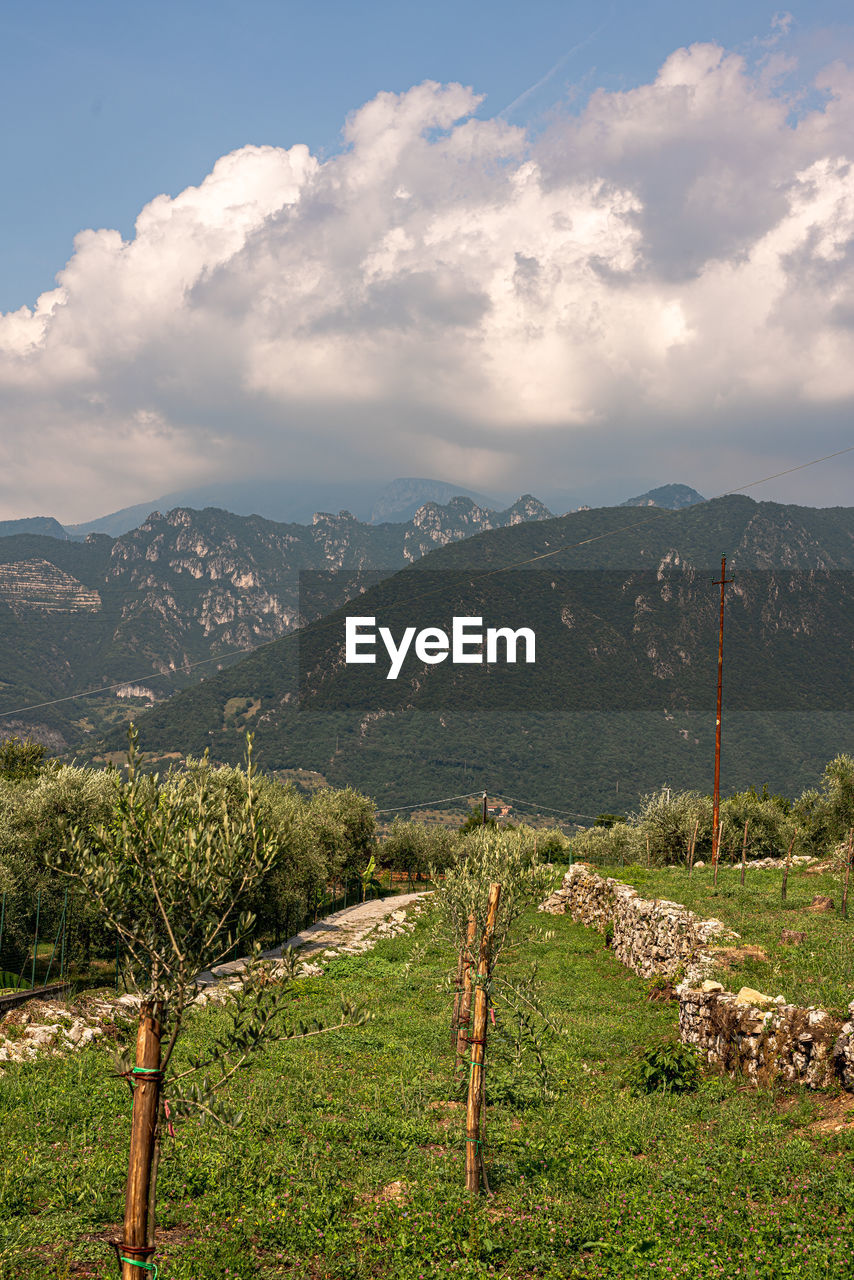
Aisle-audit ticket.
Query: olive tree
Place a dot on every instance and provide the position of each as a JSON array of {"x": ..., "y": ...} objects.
[{"x": 171, "y": 872}]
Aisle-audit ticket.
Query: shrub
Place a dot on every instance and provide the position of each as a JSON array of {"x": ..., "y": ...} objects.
[
  {"x": 415, "y": 847},
  {"x": 670, "y": 1067}
]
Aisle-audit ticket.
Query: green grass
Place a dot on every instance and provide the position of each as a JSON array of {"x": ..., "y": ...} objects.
[
  {"x": 595, "y": 1183},
  {"x": 818, "y": 971}
]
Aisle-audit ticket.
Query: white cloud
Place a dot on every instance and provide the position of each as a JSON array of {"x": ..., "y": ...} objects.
[{"x": 449, "y": 296}]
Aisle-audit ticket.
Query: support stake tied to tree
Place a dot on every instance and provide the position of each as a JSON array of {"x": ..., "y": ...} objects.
[
  {"x": 138, "y": 1243},
  {"x": 474, "y": 1152},
  {"x": 462, "y": 1017}
]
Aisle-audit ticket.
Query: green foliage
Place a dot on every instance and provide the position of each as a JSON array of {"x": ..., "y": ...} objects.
[
  {"x": 415, "y": 847},
  {"x": 770, "y": 825},
  {"x": 608, "y": 819},
  {"x": 825, "y": 814},
  {"x": 20, "y": 759},
  {"x": 485, "y": 857},
  {"x": 712, "y": 1183},
  {"x": 552, "y": 845},
  {"x": 619, "y": 844},
  {"x": 664, "y": 826},
  {"x": 474, "y": 820},
  {"x": 669, "y": 1067},
  {"x": 342, "y": 826},
  {"x": 171, "y": 872}
]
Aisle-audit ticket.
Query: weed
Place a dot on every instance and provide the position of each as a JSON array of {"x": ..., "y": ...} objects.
[{"x": 670, "y": 1067}]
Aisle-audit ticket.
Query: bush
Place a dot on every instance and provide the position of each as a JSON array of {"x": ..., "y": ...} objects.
[
  {"x": 415, "y": 847},
  {"x": 670, "y": 1067},
  {"x": 20, "y": 760},
  {"x": 604, "y": 845}
]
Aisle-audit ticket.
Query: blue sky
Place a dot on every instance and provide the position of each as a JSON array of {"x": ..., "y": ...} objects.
[
  {"x": 113, "y": 104},
  {"x": 285, "y": 238}
]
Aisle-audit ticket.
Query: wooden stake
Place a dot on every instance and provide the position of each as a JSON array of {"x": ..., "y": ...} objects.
[
  {"x": 786, "y": 868},
  {"x": 458, "y": 996},
  {"x": 464, "y": 1018},
  {"x": 693, "y": 846},
  {"x": 847, "y": 876},
  {"x": 744, "y": 851},
  {"x": 647, "y": 851},
  {"x": 474, "y": 1155},
  {"x": 146, "y": 1106}
]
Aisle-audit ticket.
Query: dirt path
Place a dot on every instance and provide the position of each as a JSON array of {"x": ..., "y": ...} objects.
[{"x": 346, "y": 932}]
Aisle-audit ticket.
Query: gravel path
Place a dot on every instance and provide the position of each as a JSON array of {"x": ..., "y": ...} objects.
[{"x": 345, "y": 932}]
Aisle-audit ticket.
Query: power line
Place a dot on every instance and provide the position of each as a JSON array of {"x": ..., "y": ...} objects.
[
  {"x": 533, "y": 804},
  {"x": 328, "y": 621},
  {"x": 427, "y": 804},
  {"x": 566, "y": 813}
]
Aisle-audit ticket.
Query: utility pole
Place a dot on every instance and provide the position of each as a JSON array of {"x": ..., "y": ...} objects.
[
  {"x": 484, "y": 808},
  {"x": 717, "y": 795}
]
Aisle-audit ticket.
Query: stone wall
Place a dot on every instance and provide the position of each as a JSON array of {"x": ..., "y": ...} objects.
[
  {"x": 651, "y": 937},
  {"x": 800, "y": 1046},
  {"x": 747, "y": 1033}
]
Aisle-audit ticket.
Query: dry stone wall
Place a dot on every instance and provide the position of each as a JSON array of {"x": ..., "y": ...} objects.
[
  {"x": 651, "y": 937},
  {"x": 747, "y": 1033},
  {"x": 800, "y": 1046}
]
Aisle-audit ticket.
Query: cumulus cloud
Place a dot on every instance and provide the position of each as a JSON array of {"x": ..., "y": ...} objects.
[{"x": 671, "y": 268}]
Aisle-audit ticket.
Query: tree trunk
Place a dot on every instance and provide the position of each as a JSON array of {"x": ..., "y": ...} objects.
[
  {"x": 136, "y": 1246},
  {"x": 786, "y": 868},
  {"x": 693, "y": 846},
  {"x": 474, "y": 1155},
  {"x": 847, "y": 876},
  {"x": 464, "y": 1016}
]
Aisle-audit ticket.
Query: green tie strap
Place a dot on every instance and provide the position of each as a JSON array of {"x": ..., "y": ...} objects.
[{"x": 147, "y": 1266}]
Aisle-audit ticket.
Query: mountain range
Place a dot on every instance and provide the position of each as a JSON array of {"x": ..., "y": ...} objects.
[
  {"x": 148, "y": 610},
  {"x": 621, "y": 698},
  {"x": 296, "y": 503}
]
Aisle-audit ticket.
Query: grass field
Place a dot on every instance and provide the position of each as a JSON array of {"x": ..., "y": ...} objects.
[
  {"x": 723, "y": 1182},
  {"x": 818, "y": 971}
]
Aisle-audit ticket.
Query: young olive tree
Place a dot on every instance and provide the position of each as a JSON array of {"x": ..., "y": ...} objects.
[
  {"x": 494, "y": 878},
  {"x": 171, "y": 872}
]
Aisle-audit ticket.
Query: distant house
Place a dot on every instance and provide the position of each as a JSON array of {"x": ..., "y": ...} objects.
[{"x": 498, "y": 810}]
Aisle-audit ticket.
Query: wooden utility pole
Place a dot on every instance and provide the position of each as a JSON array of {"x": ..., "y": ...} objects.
[
  {"x": 484, "y": 808},
  {"x": 136, "y": 1247},
  {"x": 717, "y": 794},
  {"x": 474, "y": 1154}
]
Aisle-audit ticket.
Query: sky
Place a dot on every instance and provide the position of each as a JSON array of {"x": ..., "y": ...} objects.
[{"x": 580, "y": 247}]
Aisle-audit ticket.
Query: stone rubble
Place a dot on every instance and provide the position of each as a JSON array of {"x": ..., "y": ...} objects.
[{"x": 747, "y": 1033}]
